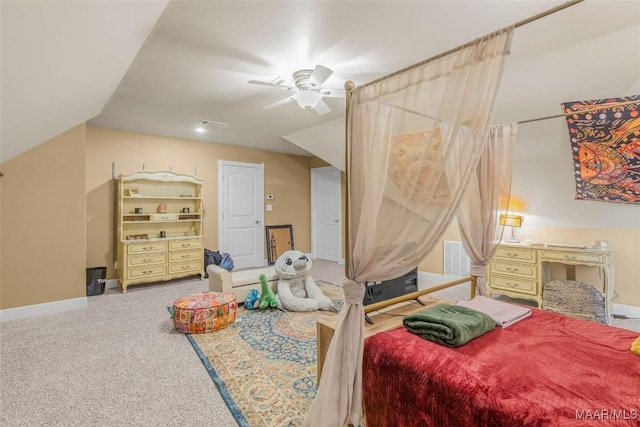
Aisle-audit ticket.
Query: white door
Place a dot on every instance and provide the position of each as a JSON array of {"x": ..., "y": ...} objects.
[
  {"x": 326, "y": 200},
  {"x": 241, "y": 212}
]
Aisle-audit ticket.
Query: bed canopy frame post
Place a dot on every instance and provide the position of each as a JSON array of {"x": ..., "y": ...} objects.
[{"x": 348, "y": 88}]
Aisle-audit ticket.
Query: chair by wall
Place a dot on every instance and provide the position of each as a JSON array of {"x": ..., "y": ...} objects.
[{"x": 576, "y": 299}]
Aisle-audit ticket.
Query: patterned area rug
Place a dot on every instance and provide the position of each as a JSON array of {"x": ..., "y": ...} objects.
[{"x": 264, "y": 365}]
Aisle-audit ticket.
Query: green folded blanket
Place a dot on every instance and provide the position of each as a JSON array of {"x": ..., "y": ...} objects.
[{"x": 450, "y": 325}]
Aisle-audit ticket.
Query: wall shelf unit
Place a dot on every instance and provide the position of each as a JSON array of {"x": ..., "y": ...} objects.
[{"x": 159, "y": 227}]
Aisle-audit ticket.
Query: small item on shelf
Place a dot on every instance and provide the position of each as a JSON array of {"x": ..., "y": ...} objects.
[
  {"x": 133, "y": 192},
  {"x": 186, "y": 195},
  {"x": 138, "y": 210},
  {"x": 190, "y": 232},
  {"x": 185, "y": 210},
  {"x": 163, "y": 234},
  {"x": 138, "y": 237},
  {"x": 162, "y": 208}
]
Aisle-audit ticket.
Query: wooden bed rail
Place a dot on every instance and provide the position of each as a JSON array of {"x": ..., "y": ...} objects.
[{"x": 414, "y": 295}]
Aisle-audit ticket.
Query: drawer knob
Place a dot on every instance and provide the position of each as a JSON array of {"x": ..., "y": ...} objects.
[
  {"x": 570, "y": 257},
  {"x": 512, "y": 270},
  {"x": 512, "y": 254}
]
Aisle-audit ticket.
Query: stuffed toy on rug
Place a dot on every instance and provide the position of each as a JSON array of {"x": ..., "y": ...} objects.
[
  {"x": 297, "y": 290},
  {"x": 253, "y": 300},
  {"x": 267, "y": 297}
]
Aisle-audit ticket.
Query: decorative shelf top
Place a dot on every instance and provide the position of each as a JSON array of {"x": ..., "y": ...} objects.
[{"x": 165, "y": 176}]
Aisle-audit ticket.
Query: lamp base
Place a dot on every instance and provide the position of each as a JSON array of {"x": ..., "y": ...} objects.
[{"x": 512, "y": 239}]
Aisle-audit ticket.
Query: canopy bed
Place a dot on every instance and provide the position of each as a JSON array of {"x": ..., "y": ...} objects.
[{"x": 421, "y": 149}]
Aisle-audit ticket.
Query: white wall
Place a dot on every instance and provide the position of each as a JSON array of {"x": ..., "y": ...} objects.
[{"x": 543, "y": 177}]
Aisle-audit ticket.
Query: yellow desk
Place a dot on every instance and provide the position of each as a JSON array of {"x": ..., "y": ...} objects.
[{"x": 520, "y": 271}]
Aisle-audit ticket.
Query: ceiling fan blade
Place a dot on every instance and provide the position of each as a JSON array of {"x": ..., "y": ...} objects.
[
  {"x": 319, "y": 75},
  {"x": 322, "y": 108},
  {"x": 258, "y": 82},
  {"x": 278, "y": 103}
]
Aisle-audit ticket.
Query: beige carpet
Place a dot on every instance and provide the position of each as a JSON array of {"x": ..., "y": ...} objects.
[{"x": 120, "y": 363}]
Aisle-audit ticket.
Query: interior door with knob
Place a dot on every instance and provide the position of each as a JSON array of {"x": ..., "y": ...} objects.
[
  {"x": 241, "y": 212},
  {"x": 326, "y": 213}
]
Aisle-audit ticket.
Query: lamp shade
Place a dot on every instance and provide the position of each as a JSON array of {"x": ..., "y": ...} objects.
[
  {"x": 511, "y": 204},
  {"x": 511, "y": 220},
  {"x": 307, "y": 99}
]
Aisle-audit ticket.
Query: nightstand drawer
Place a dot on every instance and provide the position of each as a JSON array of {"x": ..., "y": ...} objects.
[
  {"x": 185, "y": 255},
  {"x": 514, "y": 284},
  {"x": 516, "y": 254},
  {"x": 145, "y": 259},
  {"x": 526, "y": 271}
]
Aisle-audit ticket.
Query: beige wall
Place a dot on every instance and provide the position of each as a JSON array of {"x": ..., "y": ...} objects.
[
  {"x": 287, "y": 177},
  {"x": 625, "y": 244},
  {"x": 57, "y": 202},
  {"x": 43, "y": 223}
]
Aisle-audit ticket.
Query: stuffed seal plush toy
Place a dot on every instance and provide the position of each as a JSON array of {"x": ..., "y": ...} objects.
[{"x": 297, "y": 291}]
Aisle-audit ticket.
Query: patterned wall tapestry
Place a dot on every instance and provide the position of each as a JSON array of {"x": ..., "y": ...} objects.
[{"x": 605, "y": 144}]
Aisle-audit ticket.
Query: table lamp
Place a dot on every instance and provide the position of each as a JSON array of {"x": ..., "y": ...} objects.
[{"x": 509, "y": 218}]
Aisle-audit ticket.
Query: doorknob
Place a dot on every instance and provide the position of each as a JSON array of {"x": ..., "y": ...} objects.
[
  {"x": 257, "y": 221},
  {"x": 335, "y": 220}
]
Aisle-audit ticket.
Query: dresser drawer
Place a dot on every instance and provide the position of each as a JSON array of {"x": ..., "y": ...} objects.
[
  {"x": 516, "y": 254},
  {"x": 185, "y": 255},
  {"x": 551, "y": 256},
  {"x": 525, "y": 271},
  {"x": 181, "y": 267},
  {"x": 146, "y": 247},
  {"x": 178, "y": 245},
  {"x": 147, "y": 271},
  {"x": 145, "y": 259},
  {"x": 514, "y": 284}
]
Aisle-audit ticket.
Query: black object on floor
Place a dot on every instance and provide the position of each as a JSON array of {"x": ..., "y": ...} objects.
[{"x": 96, "y": 280}]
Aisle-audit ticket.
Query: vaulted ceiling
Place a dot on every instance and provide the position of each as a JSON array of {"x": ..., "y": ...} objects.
[{"x": 162, "y": 67}]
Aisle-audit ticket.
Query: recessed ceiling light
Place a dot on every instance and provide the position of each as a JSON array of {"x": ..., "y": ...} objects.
[{"x": 200, "y": 129}]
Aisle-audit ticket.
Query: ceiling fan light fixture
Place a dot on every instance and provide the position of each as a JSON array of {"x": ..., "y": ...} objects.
[{"x": 307, "y": 99}]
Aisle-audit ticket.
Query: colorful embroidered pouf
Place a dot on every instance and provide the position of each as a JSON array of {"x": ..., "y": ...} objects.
[{"x": 204, "y": 312}]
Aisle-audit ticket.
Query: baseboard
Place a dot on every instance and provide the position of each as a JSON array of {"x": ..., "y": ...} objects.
[
  {"x": 629, "y": 311},
  {"x": 111, "y": 283},
  {"x": 42, "y": 309}
]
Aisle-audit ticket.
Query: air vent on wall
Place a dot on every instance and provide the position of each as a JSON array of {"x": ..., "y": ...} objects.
[{"x": 456, "y": 260}]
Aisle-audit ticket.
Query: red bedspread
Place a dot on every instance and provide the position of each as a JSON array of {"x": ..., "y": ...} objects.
[{"x": 546, "y": 370}]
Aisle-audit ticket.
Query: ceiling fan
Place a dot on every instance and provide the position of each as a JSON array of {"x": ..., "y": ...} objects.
[{"x": 307, "y": 90}]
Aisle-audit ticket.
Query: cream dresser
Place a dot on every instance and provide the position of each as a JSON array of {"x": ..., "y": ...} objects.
[
  {"x": 520, "y": 271},
  {"x": 159, "y": 227}
]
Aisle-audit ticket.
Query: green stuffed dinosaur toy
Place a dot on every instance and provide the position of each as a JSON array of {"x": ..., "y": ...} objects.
[{"x": 267, "y": 297}]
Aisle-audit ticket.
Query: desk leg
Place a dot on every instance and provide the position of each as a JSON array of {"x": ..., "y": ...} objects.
[{"x": 323, "y": 339}]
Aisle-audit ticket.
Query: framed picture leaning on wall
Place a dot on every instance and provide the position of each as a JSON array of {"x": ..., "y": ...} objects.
[{"x": 279, "y": 240}]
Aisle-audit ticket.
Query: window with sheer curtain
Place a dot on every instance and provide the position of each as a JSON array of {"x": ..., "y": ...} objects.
[{"x": 414, "y": 142}]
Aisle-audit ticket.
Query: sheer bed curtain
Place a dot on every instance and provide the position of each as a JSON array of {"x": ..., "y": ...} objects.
[
  {"x": 478, "y": 211},
  {"x": 413, "y": 140}
]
